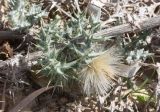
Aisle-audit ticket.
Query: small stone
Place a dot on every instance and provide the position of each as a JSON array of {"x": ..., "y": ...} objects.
[
  {"x": 86, "y": 99},
  {"x": 116, "y": 100}
]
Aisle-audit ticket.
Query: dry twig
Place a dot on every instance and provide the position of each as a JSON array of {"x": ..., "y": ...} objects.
[{"x": 126, "y": 28}]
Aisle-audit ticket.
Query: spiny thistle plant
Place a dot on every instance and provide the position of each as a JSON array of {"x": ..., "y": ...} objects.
[
  {"x": 134, "y": 50},
  {"x": 71, "y": 51},
  {"x": 24, "y": 14},
  {"x": 66, "y": 48}
]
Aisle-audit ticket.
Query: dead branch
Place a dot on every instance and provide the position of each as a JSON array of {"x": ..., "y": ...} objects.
[
  {"x": 5, "y": 35},
  {"x": 4, "y": 65},
  {"x": 126, "y": 28}
]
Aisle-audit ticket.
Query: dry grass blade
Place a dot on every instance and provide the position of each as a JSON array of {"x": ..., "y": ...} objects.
[
  {"x": 3, "y": 97},
  {"x": 158, "y": 88},
  {"x": 29, "y": 98},
  {"x": 10, "y": 35}
]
